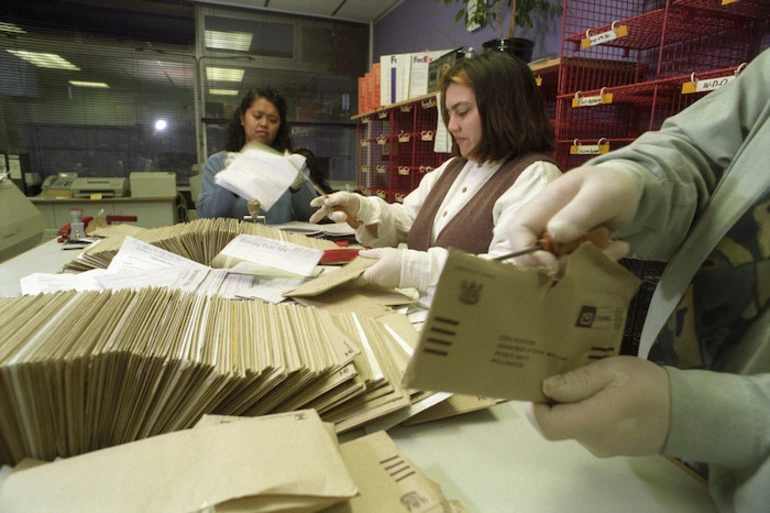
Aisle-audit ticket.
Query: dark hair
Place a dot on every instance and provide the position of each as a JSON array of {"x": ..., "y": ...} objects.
[
  {"x": 234, "y": 136},
  {"x": 315, "y": 170},
  {"x": 513, "y": 120}
]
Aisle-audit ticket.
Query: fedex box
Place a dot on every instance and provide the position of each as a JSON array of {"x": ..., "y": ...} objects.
[
  {"x": 419, "y": 68},
  {"x": 394, "y": 78}
]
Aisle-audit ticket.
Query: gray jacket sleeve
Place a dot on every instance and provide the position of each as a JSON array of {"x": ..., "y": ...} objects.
[
  {"x": 682, "y": 163},
  {"x": 214, "y": 201},
  {"x": 718, "y": 418}
]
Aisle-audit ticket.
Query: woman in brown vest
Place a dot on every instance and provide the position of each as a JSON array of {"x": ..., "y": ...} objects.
[{"x": 501, "y": 141}]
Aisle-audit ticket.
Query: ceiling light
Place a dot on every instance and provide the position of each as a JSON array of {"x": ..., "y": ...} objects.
[
  {"x": 45, "y": 60},
  {"x": 240, "y": 41},
  {"x": 224, "y": 92},
  {"x": 224, "y": 74},
  {"x": 81, "y": 83},
  {"x": 11, "y": 28},
  {"x": 160, "y": 125}
]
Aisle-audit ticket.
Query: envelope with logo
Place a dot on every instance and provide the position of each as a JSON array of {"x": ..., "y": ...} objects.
[{"x": 497, "y": 330}]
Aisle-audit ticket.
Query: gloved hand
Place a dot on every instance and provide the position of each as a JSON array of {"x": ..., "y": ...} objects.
[
  {"x": 616, "y": 406},
  {"x": 338, "y": 206},
  {"x": 570, "y": 206},
  {"x": 402, "y": 268},
  {"x": 230, "y": 157},
  {"x": 387, "y": 271},
  {"x": 297, "y": 183}
]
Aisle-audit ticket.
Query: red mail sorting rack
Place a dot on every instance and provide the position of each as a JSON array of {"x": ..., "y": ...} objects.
[
  {"x": 627, "y": 65},
  {"x": 396, "y": 147}
]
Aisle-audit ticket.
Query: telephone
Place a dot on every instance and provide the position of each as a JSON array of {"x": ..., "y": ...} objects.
[{"x": 57, "y": 182}]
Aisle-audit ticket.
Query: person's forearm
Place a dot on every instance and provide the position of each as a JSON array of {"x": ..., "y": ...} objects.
[
  {"x": 218, "y": 202},
  {"x": 719, "y": 418},
  {"x": 301, "y": 199}
]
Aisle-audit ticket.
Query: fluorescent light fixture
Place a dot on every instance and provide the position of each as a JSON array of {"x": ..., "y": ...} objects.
[
  {"x": 224, "y": 92},
  {"x": 240, "y": 41},
  {"x": 81, "y": 83},
  {"x": 45, "y": 60},
  {"x": 11, "y": 28},
  {"x": 160, "y": 125},
  {"x": 224, "y": 74}
]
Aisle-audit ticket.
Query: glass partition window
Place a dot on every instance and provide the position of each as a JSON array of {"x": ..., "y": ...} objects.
[{"x": 114, "y": 88}]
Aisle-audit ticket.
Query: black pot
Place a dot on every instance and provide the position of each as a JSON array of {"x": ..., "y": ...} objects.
[{"x": 516, "y": 46}]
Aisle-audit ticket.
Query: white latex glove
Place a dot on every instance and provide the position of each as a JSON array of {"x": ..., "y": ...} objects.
[
  {"x": 337, "y": 206},
  {"x": 387, "y": 271},
  {"x": 570, "y": 206},
  {"x": 617, "y": 406},
  {"x": 402, "y": 268}
]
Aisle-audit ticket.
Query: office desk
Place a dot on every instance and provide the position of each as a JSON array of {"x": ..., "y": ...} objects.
[
  {"x": 150, "y": 212},
  {"x": 493, "y": 461},
  {"x": 48, "y": 257}
]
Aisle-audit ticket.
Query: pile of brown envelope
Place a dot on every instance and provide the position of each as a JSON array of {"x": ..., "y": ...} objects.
[{"x": 283, "y": 462}]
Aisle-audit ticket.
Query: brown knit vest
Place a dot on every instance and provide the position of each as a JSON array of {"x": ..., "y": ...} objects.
[{"x": 471, "y": 228}]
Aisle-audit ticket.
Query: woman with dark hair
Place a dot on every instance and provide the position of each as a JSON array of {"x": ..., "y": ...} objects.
[
  {"x": 501, "y": 141},
  {"x": 261, "y": 118}
]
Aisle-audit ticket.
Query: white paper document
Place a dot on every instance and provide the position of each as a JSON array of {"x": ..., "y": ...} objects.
[
  {"x": 178, "y": 278},
  {"x": 312, "y": 229},
  {"x": 43, "y": 283},
  {"x": 135, "y": 255},
  {"x": 260, "y": 175},
  {"x": 262, "y": 253}
]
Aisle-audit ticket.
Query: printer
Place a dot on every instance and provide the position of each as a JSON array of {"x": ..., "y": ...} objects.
[
  {"x": 21, "y": 224},
  {"x": 108, "y": 187}
]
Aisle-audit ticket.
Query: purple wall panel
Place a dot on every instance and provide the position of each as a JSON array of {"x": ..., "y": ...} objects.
[{"x": 418, "y": 25}]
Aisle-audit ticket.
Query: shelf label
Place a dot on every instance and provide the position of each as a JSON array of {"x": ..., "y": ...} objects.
[
  {"x": 382, "y": 194},
  {"x": 383, "y": 114},
  {"x": 403, "y": 170},
  {"x": 427, "y": 104},
  {"x": 406, "y": 108},
  {"x": 425, "y": 169},
  {"x": 365, "y": 120},
  {"x": 427, "y": 135},
  {"x": 365, "y": 169},
  {"x": 403, "y": 137},
  {"x": 399, "y": 197},
  {"x": 599, "y": 148},
  {"x": 382, "y": 140},
  {"x": 604, "y": 37},
  {"x": 699, "y": 86},
  {"x": 382, "y": 169},
  {"x": 364, "y": 143},
  {"x": 591, "y": 101}
]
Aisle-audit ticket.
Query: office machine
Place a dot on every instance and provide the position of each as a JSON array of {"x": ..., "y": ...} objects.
[
  {"x": 153, "y": 184},
  {"x": 58, "y": 186},
  {"x": 21, "y": 224},
  {"x": 107, "y": 187}
]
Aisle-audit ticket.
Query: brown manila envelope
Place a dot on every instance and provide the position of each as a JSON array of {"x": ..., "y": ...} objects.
[
  {"x": 387, "y": 481},
  {"x": 496, "y": 330},
  {"x": 284, "y": 462}
]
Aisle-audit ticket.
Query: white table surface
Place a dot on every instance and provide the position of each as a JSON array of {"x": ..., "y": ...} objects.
[
  {"x": 493, "y": 461},
  {"x": 48, "y": 257}
]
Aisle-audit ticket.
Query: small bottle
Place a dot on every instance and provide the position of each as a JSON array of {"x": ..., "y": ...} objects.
[{"x": 77, "y": 229}]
